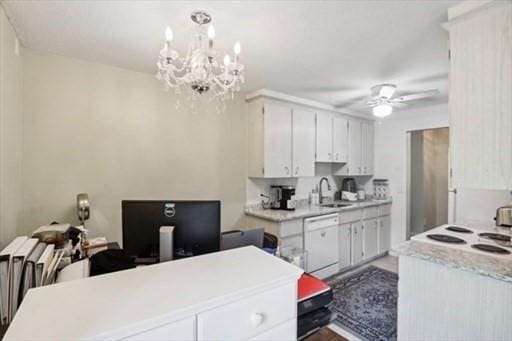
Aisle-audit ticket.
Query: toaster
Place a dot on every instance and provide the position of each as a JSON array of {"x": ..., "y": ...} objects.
[{"x": 504, "y": 216}]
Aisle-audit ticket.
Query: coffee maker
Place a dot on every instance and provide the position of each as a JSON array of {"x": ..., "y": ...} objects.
[{"x": 282, "y": 197}]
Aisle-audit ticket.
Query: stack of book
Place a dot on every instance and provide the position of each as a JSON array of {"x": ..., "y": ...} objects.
[{"x": 25, "y": 263}]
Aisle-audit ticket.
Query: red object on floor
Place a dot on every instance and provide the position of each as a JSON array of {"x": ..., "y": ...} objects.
[{"x": 310, "y": 286}]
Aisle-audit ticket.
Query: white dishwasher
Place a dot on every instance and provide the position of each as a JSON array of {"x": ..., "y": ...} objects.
[{"x": 322, "y": 244}]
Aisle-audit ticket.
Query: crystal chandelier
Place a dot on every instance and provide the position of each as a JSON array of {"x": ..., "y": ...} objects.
[{"x": 200, "y": 72}]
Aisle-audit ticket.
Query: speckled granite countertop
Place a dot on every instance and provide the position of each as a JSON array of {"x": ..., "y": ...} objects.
[
  {"x": 307, "y": 210},
  {"x": 481, "y": 264}
]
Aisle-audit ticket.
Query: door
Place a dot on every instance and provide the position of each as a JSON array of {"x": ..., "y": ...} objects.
[
  {"x": 278, "y": 141},
  {"x": 428, "y": 178},
  {"x": 384, "y": 234},
  {"x": 322, "y": 246},
  {"x": 354, "y": 148},
  {"x": 340, "y": 139},
  {"x": 367, "y": 132},
  {"x": 357, "y": 242},
  {"x": 370, "y": 239},
  {"x": 323, "y": 137},
  {"x": 345, "y": 248},
  {"x": 303, "y": 149}
]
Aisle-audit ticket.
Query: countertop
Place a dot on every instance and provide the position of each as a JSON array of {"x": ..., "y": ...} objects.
[
  {"x": 308, "y": 210},
  {"x": 481, "y": 264},
  {"x": 120, "y": 302}
]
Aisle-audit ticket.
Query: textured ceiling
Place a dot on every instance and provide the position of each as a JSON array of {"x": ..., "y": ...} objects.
[{"x": 329, "y": 51}]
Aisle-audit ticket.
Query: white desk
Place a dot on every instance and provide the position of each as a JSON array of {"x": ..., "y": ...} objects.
[{"x": 231, "y": 295}]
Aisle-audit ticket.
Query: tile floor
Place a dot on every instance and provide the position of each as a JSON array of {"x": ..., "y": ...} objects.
[{"x": 389, "y": 263}]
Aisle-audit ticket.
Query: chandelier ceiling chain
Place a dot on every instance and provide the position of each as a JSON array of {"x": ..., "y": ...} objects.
[{"x": 200, "y": 71}]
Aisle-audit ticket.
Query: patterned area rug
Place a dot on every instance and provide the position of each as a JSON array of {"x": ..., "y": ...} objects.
[{"x": 366, "y": 303}]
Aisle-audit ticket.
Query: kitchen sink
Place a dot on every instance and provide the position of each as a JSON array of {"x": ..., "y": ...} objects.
[{"x": 336, "y": 205}]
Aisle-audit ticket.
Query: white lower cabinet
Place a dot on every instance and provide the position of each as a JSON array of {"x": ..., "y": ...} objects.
[
  {"x": 357, "y": 242},
  {"x": 370, "y": 239},
  {"x": 345, "y": 249},
  {"x": 284, "y": 332},
  {"x": 183, "y": 330},
  {"x": 248, "y": 317},
  {"x": 384, "y": 234}
]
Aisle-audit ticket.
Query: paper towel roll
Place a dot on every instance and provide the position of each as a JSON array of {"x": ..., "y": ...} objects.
[{"x": 166, "y": 243}]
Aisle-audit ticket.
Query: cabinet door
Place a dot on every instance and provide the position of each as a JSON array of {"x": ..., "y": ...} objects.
[
  {"x": 277, "y": 141},
  {"x": 357, "y": 242},
  {"x": 340, "y": 139},
  {"x": 354, "y": 148},
  {"x": 367, "y": 132},
  {"x": 345, "y": 247},
  {"x": 384, "y": 234},
  {"x": 370, "y": 239},
  {"x": 323, "y": 137},
  {"x": 481, "y": 100},
  {"x": 303, "y": 148}
]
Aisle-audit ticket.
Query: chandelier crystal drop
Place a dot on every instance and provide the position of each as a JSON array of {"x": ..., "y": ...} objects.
[{"x": 202, "y": 71}]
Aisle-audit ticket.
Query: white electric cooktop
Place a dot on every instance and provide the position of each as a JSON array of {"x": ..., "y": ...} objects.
[{"x": 495, "y": 244}]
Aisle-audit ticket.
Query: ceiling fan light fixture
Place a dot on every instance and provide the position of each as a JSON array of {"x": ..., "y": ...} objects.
[
  {"x": 387, "y": 91},
  {"x": 382, "y": 110}
]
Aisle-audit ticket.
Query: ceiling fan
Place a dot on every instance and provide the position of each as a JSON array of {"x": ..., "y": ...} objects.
[{"x": 382, "y": 100}]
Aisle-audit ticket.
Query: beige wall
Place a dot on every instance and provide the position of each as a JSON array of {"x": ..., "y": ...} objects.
[
  {"x": 116, "y": 135},
  {"x": 11, "y": 120}
]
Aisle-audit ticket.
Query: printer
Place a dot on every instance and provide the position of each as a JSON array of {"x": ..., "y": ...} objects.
[{"x": 314, "y": 295}]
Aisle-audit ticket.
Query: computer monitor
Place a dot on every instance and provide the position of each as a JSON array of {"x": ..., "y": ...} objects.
[{"x": 197, "y": 226}]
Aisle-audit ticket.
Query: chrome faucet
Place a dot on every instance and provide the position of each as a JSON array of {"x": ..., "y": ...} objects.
[{"x": 320, "y": 189}]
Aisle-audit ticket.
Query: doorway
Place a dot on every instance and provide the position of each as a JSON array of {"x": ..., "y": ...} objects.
[{"x": 428, "y": 173}]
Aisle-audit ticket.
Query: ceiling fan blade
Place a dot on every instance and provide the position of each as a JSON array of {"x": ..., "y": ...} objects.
[
  {"x": 400, "y": 105},
  {"x": 416, "y": 96}
]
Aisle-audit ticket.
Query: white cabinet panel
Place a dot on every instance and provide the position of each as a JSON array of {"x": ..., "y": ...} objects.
[
  {"x": 384, "y": 234},
  {"x": 481, "y": 99},
  {"x": 367, "y": 148},
  {"x": 324, "y": 137},
  {"x": 284, "y": 332},
  {"x": 249, "y": 317},
  {"x": 277, "y": 140},
  {"x": 183, "y": 330},
  {"x": 354, "y": 148},
  {"x": 357, "y": 242},
  {"x": 345, "y": 247},
  {"x": 370, "y": 239},
  {"x": 340, "y": 139},
  {"x": 303, "y": 131}
]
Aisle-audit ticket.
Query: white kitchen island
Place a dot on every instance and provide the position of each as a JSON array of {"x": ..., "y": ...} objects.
[
  {"x": 240, "y": 294},
  {"x": 452, "y": 292}
]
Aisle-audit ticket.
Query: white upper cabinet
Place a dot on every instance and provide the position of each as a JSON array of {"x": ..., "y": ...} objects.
[
  {"x": 281, "y": 140},
  {"x": 303, "y": 131},
  {"x": 324, "y": 130},
  {"x": 278, "y": 140},
  {"x": 354, "y": 148},
  {"x": 481, "y": 97},
  {"x": 367, "y": 147},
  {"x": 340, "y": 139},
  {"x": 285, "y": 139}
]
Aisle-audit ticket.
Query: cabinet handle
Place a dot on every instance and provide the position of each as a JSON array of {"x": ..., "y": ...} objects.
[
  {"x": 337, "y": 156},
  {"x": 359, "y": 169},
  {"x": 287, "y": 170},
  {"x": 297, "y": 170},
  {"x": 257, "y": 319}
]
